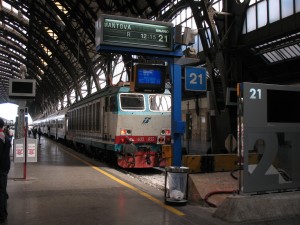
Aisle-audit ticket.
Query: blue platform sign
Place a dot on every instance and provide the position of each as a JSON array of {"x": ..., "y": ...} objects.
[{"x": 195, "y": 79}]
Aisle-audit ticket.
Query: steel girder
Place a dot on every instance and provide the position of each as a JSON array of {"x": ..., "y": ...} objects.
[
  {"x": 73, "y": 59},
  {"x": 218, "y": 35}
]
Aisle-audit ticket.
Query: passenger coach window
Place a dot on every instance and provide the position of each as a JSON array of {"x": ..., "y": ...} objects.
[
  {"x": 161, "y": 103},
  {"x": 132, "y": 102}
]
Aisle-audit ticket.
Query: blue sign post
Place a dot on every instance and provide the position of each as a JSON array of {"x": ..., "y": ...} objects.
[
  {"x": 158, "y": 44},
  {"x": 178, "y": 126},
  {"x": 195, "y": 79}
]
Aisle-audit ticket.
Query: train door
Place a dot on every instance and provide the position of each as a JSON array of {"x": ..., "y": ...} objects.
[
  {"x": 106, "y": 118},
  {"x": 99, "y": 115},
  {"x": 56, "y": 128},
  {"x": 66, "y": 125}
]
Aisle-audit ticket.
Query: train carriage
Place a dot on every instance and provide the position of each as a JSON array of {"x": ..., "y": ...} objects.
[{"x": 55, "y": 126}]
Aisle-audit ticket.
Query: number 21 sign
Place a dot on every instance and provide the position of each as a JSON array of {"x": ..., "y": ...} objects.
[{"x": 195, "y": 79}]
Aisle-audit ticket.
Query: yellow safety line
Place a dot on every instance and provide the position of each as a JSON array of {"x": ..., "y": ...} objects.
[{"x": 146, "y": 195}]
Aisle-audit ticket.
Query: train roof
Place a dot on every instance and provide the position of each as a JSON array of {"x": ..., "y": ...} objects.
[
  {"x": 58, "y": 114},
  {"x": 105, "y": 92}
]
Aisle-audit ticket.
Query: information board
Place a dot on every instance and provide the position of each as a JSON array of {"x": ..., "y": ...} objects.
[
  {"x": 19, "y": 150},
  {"x": 148, "y": 78},
  {"x": 22, "y": 88},
  {"x": 268, "y": 137},
  {"x": 32, "y": 149},
  {"x": 195, "y": 79},
  {"x": 134, "y": 32}
]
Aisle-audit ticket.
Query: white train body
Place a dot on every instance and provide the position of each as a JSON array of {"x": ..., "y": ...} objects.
[{"x": 56, "y": 125}]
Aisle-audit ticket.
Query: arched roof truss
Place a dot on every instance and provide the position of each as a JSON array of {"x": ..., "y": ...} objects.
[{"x": 55, "y": 39}]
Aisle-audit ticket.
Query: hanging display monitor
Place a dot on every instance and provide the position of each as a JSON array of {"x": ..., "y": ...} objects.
[
  {"x": 148, "y": 78},
  {"x": 134, "y": 33},
  {"x": 22, "y": 88}
]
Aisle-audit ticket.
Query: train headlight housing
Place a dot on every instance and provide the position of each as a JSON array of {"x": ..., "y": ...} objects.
[
  {"x": 165, "y": 132},
  {"x": 161, "y": 140},
  {"x": 125, "y": 132}
]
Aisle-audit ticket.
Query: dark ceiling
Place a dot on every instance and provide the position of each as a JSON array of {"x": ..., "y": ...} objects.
[
  {"x": 58, "y": 64},
  {"x": 55, "y": 39}
]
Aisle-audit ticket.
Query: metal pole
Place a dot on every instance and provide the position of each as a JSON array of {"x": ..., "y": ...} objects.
[
  {"x": 176, "y": 114},
  {"x": 25, "y": 147}
]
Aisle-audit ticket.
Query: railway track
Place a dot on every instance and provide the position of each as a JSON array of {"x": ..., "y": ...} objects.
[{"x": 154, "y": 177}]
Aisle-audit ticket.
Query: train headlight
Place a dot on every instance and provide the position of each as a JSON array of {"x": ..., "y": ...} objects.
[
  {"x": 165, "y": 132},
  {"x": 126, "y": 132}
]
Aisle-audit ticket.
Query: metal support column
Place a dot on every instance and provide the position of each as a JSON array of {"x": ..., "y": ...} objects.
[{"x": 178, "y": 126}]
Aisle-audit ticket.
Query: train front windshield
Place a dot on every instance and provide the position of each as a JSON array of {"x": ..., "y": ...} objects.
[
  {"x": 160, "y": 103},
  {"x": 132, "y": 102},
  {"x": 136, "y": 102}
]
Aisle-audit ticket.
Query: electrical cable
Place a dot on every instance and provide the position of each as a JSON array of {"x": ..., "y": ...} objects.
[
  {"x": 232, "y": 174},
  {"x": 217, "y": 192},
  {"x": 221, "y": 192}
]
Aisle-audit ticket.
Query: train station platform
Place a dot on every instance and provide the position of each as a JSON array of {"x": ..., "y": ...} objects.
[{"x": 65, "y": 187}]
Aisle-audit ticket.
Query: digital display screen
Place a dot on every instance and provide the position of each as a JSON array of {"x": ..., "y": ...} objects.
[
  {"x": 283, "y": 106},
  {"x": 22, "y": 87},
  {"x": 134, "y": 33},
  {"x": 149, "y": 76}
]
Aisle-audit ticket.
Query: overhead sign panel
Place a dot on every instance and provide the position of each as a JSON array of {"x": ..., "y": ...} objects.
[
  {"x": 22, "y": 88},
  {"x": 20, "y": 152},
  {"x": 134, "y": 32},
  {"x": 195, "y": 79}
]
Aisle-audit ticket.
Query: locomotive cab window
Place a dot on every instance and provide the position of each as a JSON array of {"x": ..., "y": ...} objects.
[
  {"x": 133, "y": 102},
  {"x": 160, "y": 103}
]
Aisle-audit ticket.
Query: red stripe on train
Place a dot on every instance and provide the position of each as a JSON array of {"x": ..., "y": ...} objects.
[{"x": 136, "y": 139}]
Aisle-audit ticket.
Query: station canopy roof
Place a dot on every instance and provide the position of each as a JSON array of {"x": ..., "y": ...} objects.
[{"x": 53, "y": 42}]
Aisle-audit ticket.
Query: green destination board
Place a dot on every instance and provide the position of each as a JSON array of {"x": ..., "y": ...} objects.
[{"x": 134, "y": 32}]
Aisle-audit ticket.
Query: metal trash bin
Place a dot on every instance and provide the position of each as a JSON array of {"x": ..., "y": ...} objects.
[{"x": 176, "y": 185}]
